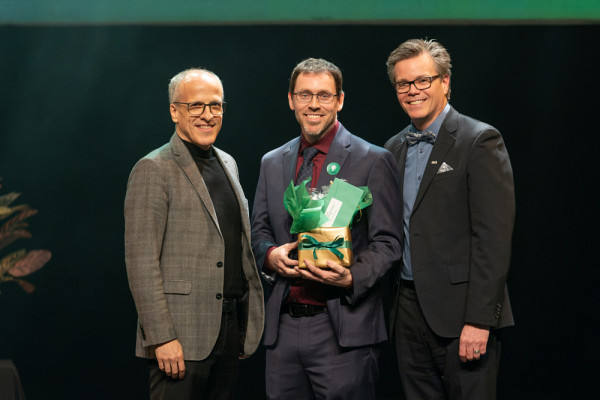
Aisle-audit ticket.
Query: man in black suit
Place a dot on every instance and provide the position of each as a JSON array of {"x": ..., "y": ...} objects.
[{"x": 458, "y": 216}]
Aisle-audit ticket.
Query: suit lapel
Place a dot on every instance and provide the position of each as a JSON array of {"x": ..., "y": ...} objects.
[
  {"x": 399, "y": 150},
  {"x": 232, "y": 175},
  {"x": 189, "y": 167},
  {"x": 290, "y": 159},
  {"x": 444, "y": 142},
  {"x": 402, "y": 161},
  {"x": 338, "y": 153}
]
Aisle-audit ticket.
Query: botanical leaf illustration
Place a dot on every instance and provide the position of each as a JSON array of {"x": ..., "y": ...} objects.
[
  {"x": 7, "y": 199},
  {"x": 5, "y": 211},
  {"x": 8, "y": 211},
  {"x": 30, "y": 263},
  {"x": 26, "y": 286},
  {"x": 8, "y": 237},
  {"x": 18, "y": 263},
  {"x": 17, "y": 221},
  {"x": 7, "y": 262}
]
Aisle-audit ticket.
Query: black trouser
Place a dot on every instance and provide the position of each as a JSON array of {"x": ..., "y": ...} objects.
[
  {"x": 429, "y": 366},
  {"x": 213, "y": 378}
]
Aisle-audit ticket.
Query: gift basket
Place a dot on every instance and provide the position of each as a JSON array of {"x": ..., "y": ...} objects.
[{"x": 322, "y": 219}]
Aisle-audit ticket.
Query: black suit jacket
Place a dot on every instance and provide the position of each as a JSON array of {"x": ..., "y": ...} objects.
[
  {"x": 356, "y": 315},
  {"x": 461, "y": 226}
]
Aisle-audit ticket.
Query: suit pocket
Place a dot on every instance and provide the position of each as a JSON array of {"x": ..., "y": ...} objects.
[
  {"x": 177, "y": 287},
  {"x": 447, "y": 175},
  {"x": 459, "y": 273}
]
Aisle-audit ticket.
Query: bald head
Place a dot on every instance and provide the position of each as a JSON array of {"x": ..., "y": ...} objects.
[{"x": 192, "y": 74}]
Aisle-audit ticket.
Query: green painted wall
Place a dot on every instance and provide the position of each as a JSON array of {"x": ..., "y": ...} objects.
[{"x": 308, "y": 11}]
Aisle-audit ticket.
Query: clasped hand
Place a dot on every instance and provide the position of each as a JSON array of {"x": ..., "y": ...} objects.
[{"x": 336, "y": 275}]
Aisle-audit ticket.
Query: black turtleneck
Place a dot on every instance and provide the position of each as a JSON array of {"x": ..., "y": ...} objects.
[{"x": 228, "y": 215}]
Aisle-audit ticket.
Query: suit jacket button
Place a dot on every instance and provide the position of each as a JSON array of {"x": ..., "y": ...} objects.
[
  {"x": 219, "y": 296},
  {"x": 220, "y": 264}
]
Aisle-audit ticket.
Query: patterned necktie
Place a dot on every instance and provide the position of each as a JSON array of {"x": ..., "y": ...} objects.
[
  {"x": 414, "y": 138},
  {"x": 306, "y": 169}
]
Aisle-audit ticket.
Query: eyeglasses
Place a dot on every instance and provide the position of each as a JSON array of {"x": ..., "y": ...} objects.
[
  {"x": 322, "y": 97},
  {"x": 421, "y": 83},
  {"x": 196, "y": 109}
]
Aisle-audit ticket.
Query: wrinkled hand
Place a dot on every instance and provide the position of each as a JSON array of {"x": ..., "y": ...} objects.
[
  {"x": 170, "y": 359},
  {"x": 280, "y": 261},
  {"x": 336, "y": 276},
  {"x": 473, "y": 338}
]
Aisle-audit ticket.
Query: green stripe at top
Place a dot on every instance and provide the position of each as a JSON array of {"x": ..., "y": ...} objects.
[{"x": 283, "y": 11}]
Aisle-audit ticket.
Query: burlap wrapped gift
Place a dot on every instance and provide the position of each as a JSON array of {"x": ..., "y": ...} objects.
[{"x": 322, "y": 244}]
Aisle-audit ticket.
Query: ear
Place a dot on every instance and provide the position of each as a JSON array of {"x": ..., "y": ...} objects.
[
  {"x": 340, "y": 101},
  {"x": 173, "y": 111},
  {"x": 290, "y": 101},
  {"x": 446, "y": 83}
]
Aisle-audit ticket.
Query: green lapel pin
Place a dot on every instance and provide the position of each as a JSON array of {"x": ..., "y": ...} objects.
[{"x": 333, "y": 168}]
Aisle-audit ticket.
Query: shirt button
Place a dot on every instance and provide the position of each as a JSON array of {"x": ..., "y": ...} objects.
[
  {"x": 219, "y": 296},
  {"x": 419, "y": 178},
  {"x": 421, "y": 150},
  {"x": 220, "y": 264}
]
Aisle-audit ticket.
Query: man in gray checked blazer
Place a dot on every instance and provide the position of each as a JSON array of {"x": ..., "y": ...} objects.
[{"x": 187, "y": 248}]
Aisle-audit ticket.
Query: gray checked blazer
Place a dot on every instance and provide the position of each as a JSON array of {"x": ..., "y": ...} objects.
[{"x": 174, "y": 254}]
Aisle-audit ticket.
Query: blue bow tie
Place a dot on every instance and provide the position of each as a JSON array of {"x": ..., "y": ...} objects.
[{"x": 414, "y": 138}]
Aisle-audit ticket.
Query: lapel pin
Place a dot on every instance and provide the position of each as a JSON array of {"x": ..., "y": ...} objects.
[
  {"x": 434, "y": 162},
  {"x": 333, "y": 168}
]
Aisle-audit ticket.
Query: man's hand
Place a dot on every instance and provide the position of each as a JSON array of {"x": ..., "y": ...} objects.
[
  {"x": 473, "y": 342},
  {"x": 280, "y": 261},
  {"x": 170, "y": 359},
  {"x": 335, "y": 276}
]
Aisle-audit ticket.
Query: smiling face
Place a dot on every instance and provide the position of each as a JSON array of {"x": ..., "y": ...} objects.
[
  {"x": 422, "y": 106},
  {"x": 198, "y": 87},
  {"x": 315, "y": 118}
]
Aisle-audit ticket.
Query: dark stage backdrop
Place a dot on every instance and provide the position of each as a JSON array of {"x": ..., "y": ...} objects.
[{"x": 80, "y": 105}]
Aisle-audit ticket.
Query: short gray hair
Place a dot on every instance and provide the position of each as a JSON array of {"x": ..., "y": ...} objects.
[
  {"x": 414, "y": 48},
  {"x": 177, "y": 79}
]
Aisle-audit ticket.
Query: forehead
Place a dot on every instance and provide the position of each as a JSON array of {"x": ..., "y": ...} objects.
[
  {"x": 316, "y": 82},
  {"x": 411, "y": 68},
  {"x": 199, "y": 85}
]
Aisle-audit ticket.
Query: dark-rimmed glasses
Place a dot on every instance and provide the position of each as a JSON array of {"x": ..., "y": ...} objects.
[
  {"x": 421, "y": 83},
  {"x": 322, "y": 97},
  {"x": 196, "y": 109}
]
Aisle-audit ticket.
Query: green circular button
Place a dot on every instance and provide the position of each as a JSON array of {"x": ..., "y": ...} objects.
[{"x": 333, "y": 168}]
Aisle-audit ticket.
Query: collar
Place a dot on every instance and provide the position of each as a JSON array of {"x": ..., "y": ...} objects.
[
  {"x": 436, "y": 124},
  {"x": 324, "y": 143},
  {"x": 199, "y": 152}
]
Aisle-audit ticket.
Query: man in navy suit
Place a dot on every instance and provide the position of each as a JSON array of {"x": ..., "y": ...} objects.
[
  {"x": 459, "y": 208},
  {"x": 324, "y": 326}
]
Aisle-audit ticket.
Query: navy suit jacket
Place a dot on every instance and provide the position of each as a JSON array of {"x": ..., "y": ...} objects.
[
  {"x": 356, "y": 314},
  {"x": 461, "y": 226}
]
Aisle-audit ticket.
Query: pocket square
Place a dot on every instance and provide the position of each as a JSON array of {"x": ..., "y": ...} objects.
[{"x": 444, "y": 168}]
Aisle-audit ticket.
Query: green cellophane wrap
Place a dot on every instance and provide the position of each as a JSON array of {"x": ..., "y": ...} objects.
[{"x": 308, "y": 214}]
